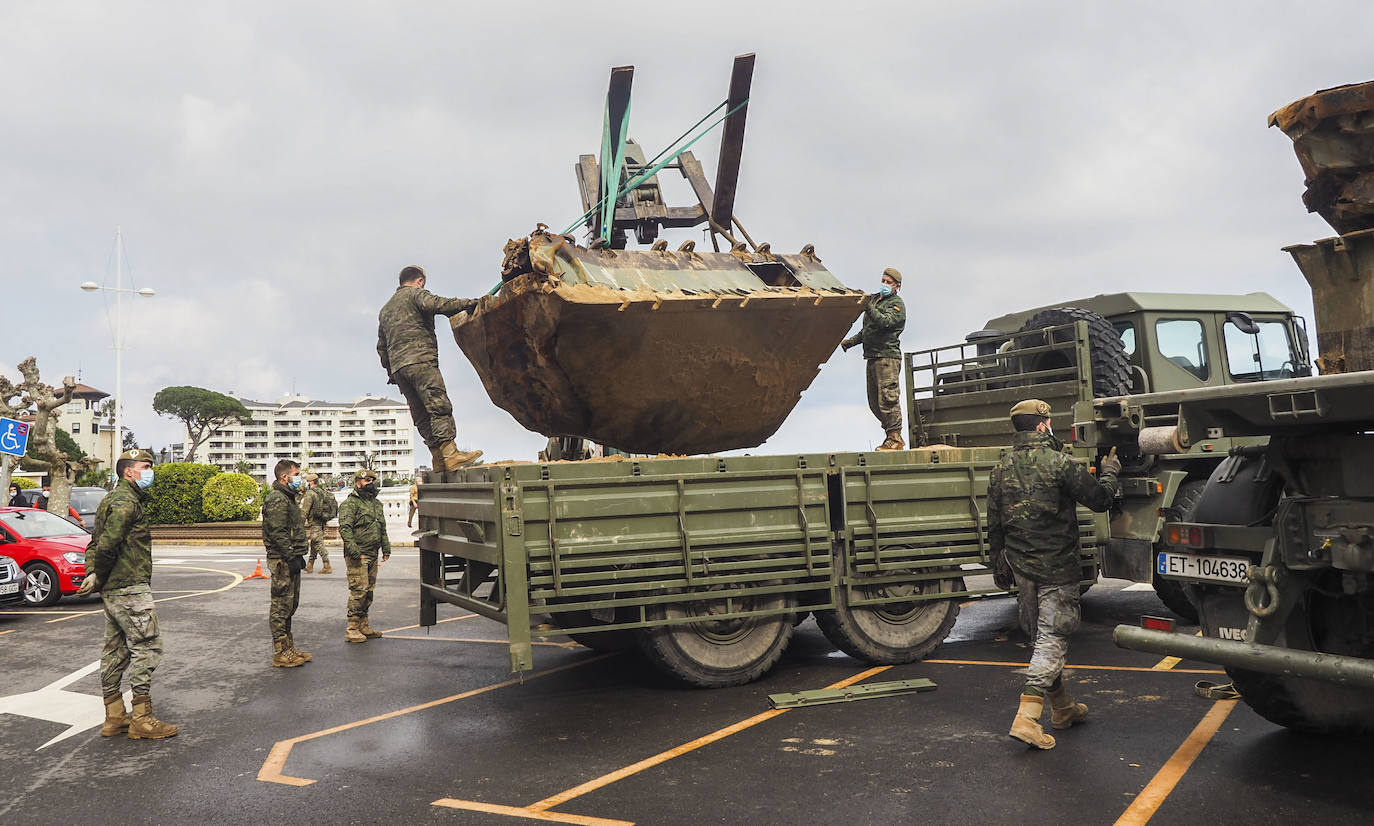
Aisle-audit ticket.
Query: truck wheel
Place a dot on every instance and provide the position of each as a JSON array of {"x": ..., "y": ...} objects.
[
  {"x": 1110, "y": 369},
  {"x": 895, "y": 632},
  {"x": 714, "y": 653},
  {"x": 1170, "y": 591},
  {"x": 1331, "y": 625}
]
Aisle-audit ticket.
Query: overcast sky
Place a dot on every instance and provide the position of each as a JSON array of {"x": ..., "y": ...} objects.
[{"x": 273, "y": 165}]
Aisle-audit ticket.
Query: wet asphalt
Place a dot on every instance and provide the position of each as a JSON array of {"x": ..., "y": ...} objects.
[{"x": 384, "y": 730}]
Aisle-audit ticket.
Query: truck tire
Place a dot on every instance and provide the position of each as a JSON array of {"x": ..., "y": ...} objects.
[
  {"x": 1110, "y": 370},
  {"x": 893, "y": 633},
  {"x": 713, "y": 653},
  {"x": 1171, "y": 591},
  {"x": 1327, "y": 624}
]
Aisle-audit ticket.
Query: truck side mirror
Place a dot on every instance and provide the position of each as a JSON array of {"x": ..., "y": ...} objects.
[{"x": 1244, "y": 323}]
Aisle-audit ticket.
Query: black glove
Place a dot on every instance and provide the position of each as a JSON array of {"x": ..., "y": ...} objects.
[
  {"x": 296, "y": 564},
  {"x": 1002, "y": 576}
]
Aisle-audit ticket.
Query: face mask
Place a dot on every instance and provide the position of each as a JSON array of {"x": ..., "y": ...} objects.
[
  {"x": 295, "y": 483},
  {"x": 885, "y": 290},
  {"x": 369, "y": 490},
  {"x": 145, "y": 479}
]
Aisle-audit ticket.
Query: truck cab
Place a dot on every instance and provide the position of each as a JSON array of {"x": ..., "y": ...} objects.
[{"x": 1183, "y": 341}]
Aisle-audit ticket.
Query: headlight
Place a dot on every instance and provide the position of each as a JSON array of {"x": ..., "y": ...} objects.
[{"x": 75, "y": 557}]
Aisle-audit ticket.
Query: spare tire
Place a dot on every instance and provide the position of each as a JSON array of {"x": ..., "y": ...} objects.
[{"x": 1110, "y": 369}]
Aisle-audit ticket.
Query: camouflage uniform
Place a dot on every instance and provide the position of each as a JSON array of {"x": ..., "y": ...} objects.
[
  {"x": 1032, "y": 494},
  {"x": 283, "y": 535},
  {"x": 884, "y": 320},
  {"x": 362, "y": 526},
  {"x": 313, "y": 510},
  {"x": 120, "y": 556},
  {"x": 409, "y": 352}
]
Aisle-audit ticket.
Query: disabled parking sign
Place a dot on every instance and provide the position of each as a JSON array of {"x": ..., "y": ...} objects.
[{"x": 14, "y": 437}]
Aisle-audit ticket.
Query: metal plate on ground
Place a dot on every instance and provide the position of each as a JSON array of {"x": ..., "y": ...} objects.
[{"x": 870, "y": 691}]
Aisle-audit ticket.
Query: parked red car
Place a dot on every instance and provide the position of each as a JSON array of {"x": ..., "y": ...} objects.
[{"x": 50, "y": 550}]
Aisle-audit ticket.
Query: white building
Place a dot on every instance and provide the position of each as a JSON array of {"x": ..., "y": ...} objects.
[
  {"x": 93, "y": 432},
  {"x": 325, "y": 437}
]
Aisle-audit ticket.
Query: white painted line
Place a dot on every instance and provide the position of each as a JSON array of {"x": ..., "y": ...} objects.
[
  {"x": 53, "y": 703},
  {"x": 1139, "y": 586}
]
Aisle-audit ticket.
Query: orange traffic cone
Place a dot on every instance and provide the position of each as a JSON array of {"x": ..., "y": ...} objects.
[{"x": 257, "y": 572}]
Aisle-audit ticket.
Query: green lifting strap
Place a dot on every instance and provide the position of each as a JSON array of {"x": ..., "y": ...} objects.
[{"x": 612, "y": 161}]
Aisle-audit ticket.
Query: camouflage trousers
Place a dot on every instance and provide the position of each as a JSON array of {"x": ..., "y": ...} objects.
[
  {"x": 132, "y": 639},
  {"x": 362, "y": 580},
  {"x": 430, "y": 409},
  {"x": 1049, "y": 614},
  {"x": 314, "y": 534},
  {"x": 286, "y": 595},
  {"x": 885, "y": 392}
]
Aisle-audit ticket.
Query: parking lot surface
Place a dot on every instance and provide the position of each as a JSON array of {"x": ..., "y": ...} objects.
[{"x": 431, "y": 727}]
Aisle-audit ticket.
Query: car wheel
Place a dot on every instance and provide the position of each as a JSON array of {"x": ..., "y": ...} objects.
[{"x": 40, "y": 586}]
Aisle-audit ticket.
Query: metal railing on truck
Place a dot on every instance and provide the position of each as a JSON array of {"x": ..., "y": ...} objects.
[
  {"x": 959, "y": 394},
  {"x": 603, "y": 546}
]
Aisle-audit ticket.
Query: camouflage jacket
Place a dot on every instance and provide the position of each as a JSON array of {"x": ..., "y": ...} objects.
[
  {"x": 121, "y": 549},
  {"x": 283, "y": 525},
  {"x": 405, "y": 326},
  {"x": 313, "y": 505},
  {"x": 881, "y": 334},
  {"x": 362, "y": 527},
  {"x": 1032, "y": 492}
]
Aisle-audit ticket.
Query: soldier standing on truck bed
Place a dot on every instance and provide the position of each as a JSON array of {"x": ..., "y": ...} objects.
[
  {"x": 410, "y": 356},
  {"x": 283, "y": 535},
  {"x": 119, "y": 564},
  {"x": 1032, "y": 492},
  {"x": 884, "y": 320}
]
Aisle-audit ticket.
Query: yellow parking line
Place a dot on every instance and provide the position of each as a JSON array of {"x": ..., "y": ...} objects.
[
  {"x": 271, "y": 771},
  {"x": 3, "y": 633},
  {"x": 1162, "y": 784},
  {"x": 391, "y": 636},
  {"x": 1168, "y": 663},
  {"x": 237, "y": 579},
  {"x": 513, "y": 811},
  {"x": 408, "y": 627}
]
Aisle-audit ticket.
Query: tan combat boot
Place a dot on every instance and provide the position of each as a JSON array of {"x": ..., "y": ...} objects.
[
  {"x": 327, "y": 569},
  {"x": 367, "y": 630},
  {"x": 116, "y": 716},
  {"x": 1064, "y": 712},
  {"x": 436, "y": 458},
  {"x": 1026, "y": 725},
  {"x": 299, "y": 654},
  {"x": 310, "y": 566},
  {"x": 144, "y": 726},
  {"x": 284, "y": 657},
  {"x": 455, "y": 459},
  {"x": 893, "y": 441},
  {"x": 354, "y": 633}
]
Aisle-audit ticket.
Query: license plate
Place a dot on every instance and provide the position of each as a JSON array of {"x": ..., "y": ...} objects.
[
  {"x": 1228, "y": 569},
  {"x": 10, "y": 588}
]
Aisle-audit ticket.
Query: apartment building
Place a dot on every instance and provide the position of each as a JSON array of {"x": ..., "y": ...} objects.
[
  {"x": 92, "y": 432},
  {"x": 326, "y": 437}
]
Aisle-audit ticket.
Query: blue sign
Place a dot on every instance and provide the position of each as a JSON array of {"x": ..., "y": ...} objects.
[{"x": 14, "y": 437}]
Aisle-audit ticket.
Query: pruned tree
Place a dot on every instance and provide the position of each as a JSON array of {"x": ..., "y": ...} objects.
[
  {"x": 202, "y": 411},
  {"x": 45, "y": 403}
]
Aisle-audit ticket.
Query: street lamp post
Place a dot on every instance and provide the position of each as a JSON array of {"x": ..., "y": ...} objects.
[{"x": 117, "y": 441}]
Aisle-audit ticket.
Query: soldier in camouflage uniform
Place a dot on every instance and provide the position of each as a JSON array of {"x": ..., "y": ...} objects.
[
  {"x": 410, "y": 356},
  {"x": 317, "y": 513},
  {"x": 884, "y": 320},
  {"x": 283, "y": 535},
  {"x": 119, "y": 564},
  {"x": 362, "y": 526},
  {"x": 1032, "y": 494}
]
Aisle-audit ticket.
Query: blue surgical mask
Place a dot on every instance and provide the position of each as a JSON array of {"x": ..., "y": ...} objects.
[
  {"x": 296, "y": 482},
  {"x": 145, "y": 479},
  {"x": 885, "y": 290}
]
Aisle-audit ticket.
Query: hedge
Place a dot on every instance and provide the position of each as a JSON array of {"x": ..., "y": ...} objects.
[
  {"x": 176, "y": 497},
  {"x": 231, "y": 497},
  {"x": 23, "y": 482}
]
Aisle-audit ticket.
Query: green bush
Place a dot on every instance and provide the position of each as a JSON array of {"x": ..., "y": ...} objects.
[
  {"x": 231, "y": 497},
  {"x": 23, "y": 482},
  {"x": 176, "y": 497}
]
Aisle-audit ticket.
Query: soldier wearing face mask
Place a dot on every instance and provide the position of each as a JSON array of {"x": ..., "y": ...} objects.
[
  {"x": 119, "y": 564},
  {"x": 362, "y": 527},
  {"x": 881, "y": 334},
  {"x": 283, "y": 535}
]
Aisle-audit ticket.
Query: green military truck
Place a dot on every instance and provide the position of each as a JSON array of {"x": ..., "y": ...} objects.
[{"x": 1135, "y": 343}]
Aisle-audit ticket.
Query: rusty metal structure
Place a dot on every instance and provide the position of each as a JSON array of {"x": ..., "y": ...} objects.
[{"x": 656, "y": 350}]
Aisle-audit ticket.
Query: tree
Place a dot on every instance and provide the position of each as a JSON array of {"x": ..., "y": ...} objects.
[
  {"x": 46, "y": 405},
  {"x": 243, "y": 466},
  {"x": 68, "y": 445},
  {"x": 202, "y": 411}
]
